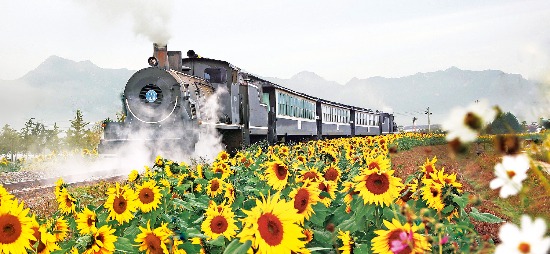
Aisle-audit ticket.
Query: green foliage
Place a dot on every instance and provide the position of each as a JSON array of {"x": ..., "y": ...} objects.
[
  {"x": 76, "y": 134},
  {"x": 411, "y": 140},
  {"x": 504, "y": 124}
]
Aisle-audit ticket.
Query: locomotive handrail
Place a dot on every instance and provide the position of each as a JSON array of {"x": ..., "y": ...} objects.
[{"x": 175, "y": 104}]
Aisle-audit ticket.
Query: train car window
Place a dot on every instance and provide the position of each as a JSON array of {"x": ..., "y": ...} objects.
[
  {"x": 265, "y": 98},
  {"x": 215, "y": 75}
]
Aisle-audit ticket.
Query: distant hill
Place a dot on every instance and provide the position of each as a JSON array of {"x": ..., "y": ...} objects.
[
  {"x": 409, "y": 96},
  {"x": 57, "y": 88}
]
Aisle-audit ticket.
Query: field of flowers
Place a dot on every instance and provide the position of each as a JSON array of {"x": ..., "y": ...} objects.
[{"x": 326, "y": 196}]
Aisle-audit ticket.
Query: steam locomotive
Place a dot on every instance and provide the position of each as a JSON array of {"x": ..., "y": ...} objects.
[{"x": 170, "y": 104}]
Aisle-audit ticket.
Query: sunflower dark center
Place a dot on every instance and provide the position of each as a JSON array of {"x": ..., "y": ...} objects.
[
  {"x": 36, "y": 234},
  {"x": 331, "y": 174},
  {"x": 100, "y": 238},
  {"x": 324, "y": 188},
  {"x": 301, "y": 200},
  {"x": 153, "y": 244},
  {"x": 271, "y": 229},
  {"x": 429, "y": 170},
  {"x": 120, "y": 204},
  {"x": 218, "y": 225},
  {"x": 473, "y": 121},
  {"x": 68, "y": 201},
  {"x": 310, "y": 175},
  {"x": 90, "y": 221},
  {"x": 377, "y": 184},
  {"x": 280, "y": 171},
  {"x": 11, "y": 228},
  {"x": 215, "y": 185},
  {"x": 434, "y": 191},
  {"x": 146, "y": 195}
]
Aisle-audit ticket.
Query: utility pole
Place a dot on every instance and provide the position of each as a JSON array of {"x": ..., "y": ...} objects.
[{"x": 428, "y": 113}]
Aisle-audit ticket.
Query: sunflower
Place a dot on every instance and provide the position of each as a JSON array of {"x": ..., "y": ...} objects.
[
  {"x": 311, "y": 174},
  {"x": 103, "y": 241},
  {"x": 229, "y": 193},
  {"x": 223, "y": 156},
  {"x": 148, "y": 196},
  {"x": 159, "y": 161},
  {"x": 271, "y": 226},
  {"x": 304, "y": 198},
  {"x": 380, "y": 188},
  {"x": 5, "y": 195},
  {"x": 215, "y": 187},
  {"x": 168, "y": 170},
  {"x": 399, "y": 238},
  {"x": 347, "y": 242},
  {"x": 152, "y": 240},
  {"x": 121, "y": 203},
  {"x": 66, "y": 202},
  {"x": 432, "y": 193},
  {"x": 332, "y": 173},
  {"x": 133, "y": 176},
  {"x": 348, "y": 189},
  {"x": 309, "y": 235},
  {"x": 59, "y": 186},
  {"x": 378, "y": 162},
  {"x": 429, "y": 167},
  {"x": 222, "y": 168},
  {"x": 276, "y": 174},
  {"x": 219, "y": 222},
  {"x": 198, "y": 172},
  {"x": 15, "y": 227},
  {"x": 330, "y": 188},
  {"x": 440, "y": 177},
  {"x": 60, "y": 228},
  {"x": 47, "y": 242},
  {"x": 86, "y": 221}
]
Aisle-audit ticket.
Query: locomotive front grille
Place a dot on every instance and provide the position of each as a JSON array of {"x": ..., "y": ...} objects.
[{"x": 151, "y": 94}]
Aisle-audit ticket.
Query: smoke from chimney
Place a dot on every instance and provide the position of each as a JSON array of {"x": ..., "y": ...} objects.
[{"x": 149, "y": 18}]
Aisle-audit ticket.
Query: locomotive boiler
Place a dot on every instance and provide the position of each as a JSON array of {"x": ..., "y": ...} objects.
[{"x": 165, "y": 107}]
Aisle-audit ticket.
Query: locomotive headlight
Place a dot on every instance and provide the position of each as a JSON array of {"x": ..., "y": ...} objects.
[{"x": 151, "y": 96}]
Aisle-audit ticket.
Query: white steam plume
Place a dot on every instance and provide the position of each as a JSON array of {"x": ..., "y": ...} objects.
[
  {"x": 149, "y": 18},
  {"x": 202, "y": 142}
]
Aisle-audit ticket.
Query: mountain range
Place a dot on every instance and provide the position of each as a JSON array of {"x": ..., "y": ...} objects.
[{"x": 53, "y": 91}]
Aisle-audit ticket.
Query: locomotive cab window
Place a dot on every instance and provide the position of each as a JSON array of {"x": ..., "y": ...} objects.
[{"x": 215, "y": 75}]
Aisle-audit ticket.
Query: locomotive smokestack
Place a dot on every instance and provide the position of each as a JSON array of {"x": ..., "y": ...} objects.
[{"x": 161, "y": 54}]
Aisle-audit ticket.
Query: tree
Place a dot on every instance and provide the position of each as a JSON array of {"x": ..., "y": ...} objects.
[
  {"x": 10, "y": 142},
  {"x": 505, "y": 123},
  {"x": 76, "y": 134},
  {"x": 53, "y": 142}
]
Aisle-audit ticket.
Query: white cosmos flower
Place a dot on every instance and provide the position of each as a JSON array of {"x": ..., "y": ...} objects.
[
  {"x": 510, "y": 173},
  {"x": 527, "y": 239},
  {"x": 464, "y": 124}
]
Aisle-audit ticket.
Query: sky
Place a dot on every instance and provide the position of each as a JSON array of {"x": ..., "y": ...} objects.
[{"x": 336, "y": 40}]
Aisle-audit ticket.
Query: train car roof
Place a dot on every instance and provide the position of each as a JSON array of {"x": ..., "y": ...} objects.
[{"x": 277, "y": 86}]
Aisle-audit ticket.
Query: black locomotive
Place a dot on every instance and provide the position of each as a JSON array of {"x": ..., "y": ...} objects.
[{"x": 167, "y": 106}]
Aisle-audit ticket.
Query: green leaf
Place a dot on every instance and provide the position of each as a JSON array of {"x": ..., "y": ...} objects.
[
  {"x": 220, "y": 241},
  {"x": 447, "y": 210},
  {"x": 362, "y": 248},
  {"x": 484, "y": 217},
  {"x": 462, "y": 201},
  {"x": 243, "y": 249},
  {"x": 124, "y": 245},
  {"x": 362, "y": 210}
]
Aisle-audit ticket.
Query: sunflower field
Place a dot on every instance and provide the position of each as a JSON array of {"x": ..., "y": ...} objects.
[{"x": 326, "y": 196}]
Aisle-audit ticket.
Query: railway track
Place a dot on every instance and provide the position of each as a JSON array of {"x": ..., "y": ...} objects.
[{"x": 37, "y": 181}]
